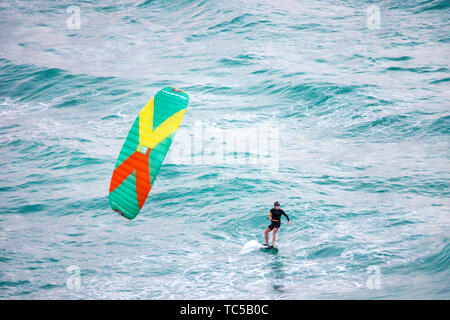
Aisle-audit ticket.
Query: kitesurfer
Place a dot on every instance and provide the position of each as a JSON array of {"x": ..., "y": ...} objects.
[{"x": 275, "y": 218}]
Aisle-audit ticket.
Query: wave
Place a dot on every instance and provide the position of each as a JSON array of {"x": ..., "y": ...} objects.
[
  {"x": 440, "y": 126},
  {"x": 433, "y": 5},
  {"x": 419, "y": 6}
]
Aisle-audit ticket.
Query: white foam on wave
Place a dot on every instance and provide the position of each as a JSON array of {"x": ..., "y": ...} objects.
[{"x": 250, "y": 246}]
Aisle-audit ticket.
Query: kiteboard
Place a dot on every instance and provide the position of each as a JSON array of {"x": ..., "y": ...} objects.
[
  {"x": 253, "y": 245},
  {"x": 269, "y": 249}
]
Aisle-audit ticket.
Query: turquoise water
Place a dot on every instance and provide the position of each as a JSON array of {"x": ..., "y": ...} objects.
[{"x": 362, "y": 107}]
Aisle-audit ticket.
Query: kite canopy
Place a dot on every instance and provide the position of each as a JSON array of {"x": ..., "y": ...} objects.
[{"x": 144, "y": 150}]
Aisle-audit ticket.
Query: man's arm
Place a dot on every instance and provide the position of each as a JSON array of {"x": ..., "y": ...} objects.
[
  {"x": 270, "y": 215},
  {"x": 287, "y": 217}
]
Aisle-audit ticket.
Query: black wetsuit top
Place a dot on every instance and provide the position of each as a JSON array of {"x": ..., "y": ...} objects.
[{"x": 276, "y": 215}]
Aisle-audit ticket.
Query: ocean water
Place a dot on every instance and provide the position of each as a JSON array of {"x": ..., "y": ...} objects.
[{"x": 355, "y": 94}]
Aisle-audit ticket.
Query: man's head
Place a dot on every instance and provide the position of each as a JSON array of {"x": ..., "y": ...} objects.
[{"x": 276, "y": 204}]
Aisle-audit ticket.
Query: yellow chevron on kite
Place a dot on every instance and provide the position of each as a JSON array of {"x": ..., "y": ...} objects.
[{"x": 150, "y": 138}]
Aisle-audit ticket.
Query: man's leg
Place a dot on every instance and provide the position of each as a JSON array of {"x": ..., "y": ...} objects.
[
  {"x": 274, "y": 236},
  {"x": 266, "y": 235}
]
